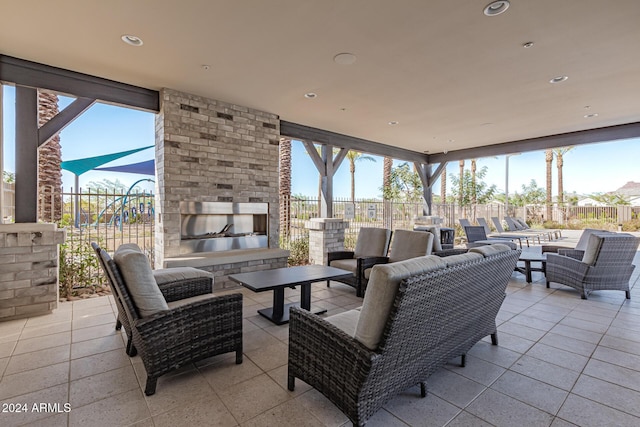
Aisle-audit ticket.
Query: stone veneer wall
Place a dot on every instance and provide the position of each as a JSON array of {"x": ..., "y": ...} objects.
[
  {"x": 325, "y": 235},
  {"x": 28, "y": 269},
  {"x": 212, "y": 151}
]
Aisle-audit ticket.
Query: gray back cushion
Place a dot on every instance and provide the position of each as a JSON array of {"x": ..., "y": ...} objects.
[
  {"x": 488, "y": 250},
  {"x": 138, "y": 277},
  {"x": 410, "y": 244},
  {"x": 437, "y": 244},
  {"x": 372, "y": 242},
  {"x": 584, "y": 238},
  {"x": 381, "y": 292},
  {"x": 593, "y": 248}
]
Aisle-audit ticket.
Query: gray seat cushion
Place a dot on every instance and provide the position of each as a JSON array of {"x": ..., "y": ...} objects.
[
  {"x": 181, "y": 302},
  {"x": 138, "y": 278},
  {"x": 488, "y": 250},
  {"x": 381, "y": 292},
  {"x": 462, "y": 258},
  {"x": 174, "y": 274}
]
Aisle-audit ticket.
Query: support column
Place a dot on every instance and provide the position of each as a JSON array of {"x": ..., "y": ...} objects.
[
  {"x": 325, "y": 235},
  {"x": 26, "y": 154}
]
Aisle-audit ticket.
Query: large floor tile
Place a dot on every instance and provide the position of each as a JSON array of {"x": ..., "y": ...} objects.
[
  {"x": 415, "y": 410},
  {"x": 454, "y": 388},
  {"x": 609, "y": 394},
  {"x": 614, "y": 374},
  {"x": 96, "y": 387},
  {"x": 533, "y": 392},
  {"x": 253, "y": 397},
  {"x": 37, "y": 359},
  {"x": 616, "y": 357},
  {"x": 39, "y": 343},
  {"x": 33, "y": 380},
  {"x": 546, "y": 372},
  {"x": 502, "y": 410},
  {"x": 286, "y": 414},
  {"x": 223, "y": 375},
  {"x": 95, "y": 346},
  {"x": 559, "y": 357},
  {"x": 45, "y": 329},
  {"x": 98, "y": 363},
  {"x": 119, "y": 410},
  {"x": 175, "y": 391},
  {"x": 587, "y": 413},
  {"x": 321, "y": 408},
  {"x": 56, "y": 397},
  {"x": 478, "y": 370},
  {"x": 572, "y": 345},
  {"x": 465, "y": 419},
  {"x": 270, "y": 356},
  {"x": 495, "y": 354},
  {"x": 204, "y": 410}
]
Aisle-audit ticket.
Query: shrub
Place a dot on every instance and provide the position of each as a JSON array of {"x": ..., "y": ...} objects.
[
  {"x": 299, "y": 249},
  {"x": 78, "y": 266},
  {"x": 632, "y": 225}
]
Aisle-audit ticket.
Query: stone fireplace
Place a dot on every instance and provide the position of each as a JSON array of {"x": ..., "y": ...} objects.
[{"x": 212, "y": 155}]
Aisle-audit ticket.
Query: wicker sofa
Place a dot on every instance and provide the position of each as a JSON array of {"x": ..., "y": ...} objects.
[{"x": 416, "y": 316}]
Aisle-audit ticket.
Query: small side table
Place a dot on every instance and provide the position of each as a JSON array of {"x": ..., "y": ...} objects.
[{"x": 527, "y": 258}]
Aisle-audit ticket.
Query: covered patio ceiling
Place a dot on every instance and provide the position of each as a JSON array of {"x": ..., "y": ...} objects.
[{"x": 452, "y": 78}]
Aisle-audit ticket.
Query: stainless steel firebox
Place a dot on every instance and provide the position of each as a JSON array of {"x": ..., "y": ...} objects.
[{"x": 223, "y": 226}]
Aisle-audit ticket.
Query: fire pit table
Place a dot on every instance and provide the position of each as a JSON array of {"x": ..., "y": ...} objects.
[{"x": 278, "y": 279}]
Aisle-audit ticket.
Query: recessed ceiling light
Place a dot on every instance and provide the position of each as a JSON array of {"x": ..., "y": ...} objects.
[
  {"x": 527, "y": 45},
  {"x": 310, "y": 95},
  {"x": 132, "y": 40},
  {"x": 558, "y": 79},
  {"x": 343, "y": 109},
  {"x": 590, "y": 116},
  {"x": 393, "y": 123},
  {"x": 586, "y": 107},
  {"x": 344, "y": 58},
  {"x": 496, "y": 7},
  {"x": 206, "y": 67}
]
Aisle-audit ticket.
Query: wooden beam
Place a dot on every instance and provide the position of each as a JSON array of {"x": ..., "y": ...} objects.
[
  {"x": 589, "y": 136},
  {"x": 315, "y": 157},
  {"x": 63, "y": 119},
  {"x": 41, "y": 76},
  {"x": 307, "y": 133},
  {"x": 339, "y": 158},
  {"x": 26, "y": 155}
]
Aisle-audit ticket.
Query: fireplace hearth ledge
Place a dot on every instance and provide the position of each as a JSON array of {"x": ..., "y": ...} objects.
[{"x": 207, "y": 259}]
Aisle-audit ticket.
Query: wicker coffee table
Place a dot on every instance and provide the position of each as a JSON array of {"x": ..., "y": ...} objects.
[
  {"x": 527, "y": 258},
  {"x": 278, "y": 279}
]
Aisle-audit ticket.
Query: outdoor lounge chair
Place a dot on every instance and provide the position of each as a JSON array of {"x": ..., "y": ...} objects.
[
  {"x": 517, "y": 228},
  {"x": 507, "y": 236},
  {"x": 501, "y": 231},
  {"x": 372, "y": 242},
  {"x": 476, "y": 236},
  {"x": 174, "y": 326},
  {"x": 555, "y": 232},
  {"x": 605, "y": 264}
]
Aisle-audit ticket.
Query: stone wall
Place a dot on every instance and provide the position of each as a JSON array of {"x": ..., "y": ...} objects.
[
  {"x": 28, "y": 269},
  {"x": 212, "y": 151}
]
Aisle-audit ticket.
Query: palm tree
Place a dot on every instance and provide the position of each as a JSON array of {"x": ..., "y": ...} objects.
[
  {"x": 461, "y": 190},
  {"x": 443, "y": 187},
  {"x": 560, "y": 152},
  {"x": 285, "y": 186},
  {"x": 49, "y": 159},
  {"x": 549, "y": 159},
  {"x": 474, "y": 194},
  {"x": 386, "y": 185},
  {"x": 354, "y": 157}
]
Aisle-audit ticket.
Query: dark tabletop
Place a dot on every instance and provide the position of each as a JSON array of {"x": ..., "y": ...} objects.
[{"x": 266, "y": 280}]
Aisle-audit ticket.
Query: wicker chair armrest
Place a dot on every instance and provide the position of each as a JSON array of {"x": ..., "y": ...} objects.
[
  {"x": 573, "y": 253},
  {"x": 331, "y": 256},
  {"x": 364, "y": 263},
  {"x": 187, "y": 288},
  {"x": 217, "y": 314},
  {"x": 325, "y": 356},
  {"x": 560, "y": 266}
]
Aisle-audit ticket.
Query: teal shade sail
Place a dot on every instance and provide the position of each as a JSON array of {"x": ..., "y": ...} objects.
[{"x": 80, "y": 166}]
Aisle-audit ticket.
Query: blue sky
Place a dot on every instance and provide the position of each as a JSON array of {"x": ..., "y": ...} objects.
[{"x": 105, "y": 129}]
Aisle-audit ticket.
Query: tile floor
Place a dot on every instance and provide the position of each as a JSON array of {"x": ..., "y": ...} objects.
[{"x": 561, "y": 361}]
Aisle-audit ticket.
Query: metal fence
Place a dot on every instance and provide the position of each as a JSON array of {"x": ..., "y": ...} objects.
[{"x": 107, "y": 218}]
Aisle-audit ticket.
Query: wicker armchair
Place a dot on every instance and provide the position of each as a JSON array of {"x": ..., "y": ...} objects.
[
  {"x": 438, "y": 312},
  {"x": 605, "y": 264},
  {"x": 194, "y": 325},
  {"x": 175, "y": 284},
  {"x": 580, "y": 246},
  {"x": 372, "y": 242}
]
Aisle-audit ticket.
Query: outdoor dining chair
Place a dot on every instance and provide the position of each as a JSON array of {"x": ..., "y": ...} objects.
[{"x": 372, "y": 242}]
